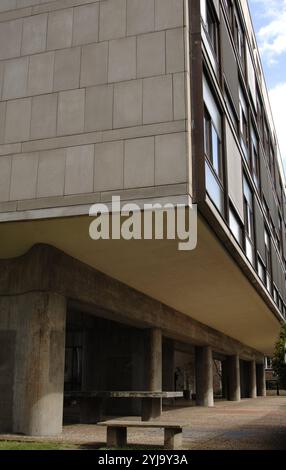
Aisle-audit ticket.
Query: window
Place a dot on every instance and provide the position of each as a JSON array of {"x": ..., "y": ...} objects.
[
  {"x": 268, "y": 259},
  {"x": 266, "y": 141},
  {"x": 212, "y": 144},
  {"x": 261, "y": 270},
  {"x": 280, "y": 230},
  {"x": 268, "y": 363},
  {"x": 213, "y": 149},
  {"x": 243, "y": 124},
  {"x": 230, "y": 108},
  {"x": 229, "y": 11},
  {"x": 254, "y": 158},
  {"x": 259, "y": 114},
  {"x": 248, "y": 221},
  {"x": 239, "y": 40},
  {"x": 265, "y": 207},
  {"x": 275, "y": 294},
  {"x": 271, "y": 162},
  {"x": 235, "y": 225},
  {"x": 212, "y": 28},
  {"x": 210, "y": 25},
  {"x": 280, "y": 303}
]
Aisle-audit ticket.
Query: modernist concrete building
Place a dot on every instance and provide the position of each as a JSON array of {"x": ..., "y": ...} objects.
[{"x": 151, "y": 100}]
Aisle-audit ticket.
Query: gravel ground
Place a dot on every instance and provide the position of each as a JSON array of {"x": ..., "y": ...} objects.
[{"x": 251, "y": 424}]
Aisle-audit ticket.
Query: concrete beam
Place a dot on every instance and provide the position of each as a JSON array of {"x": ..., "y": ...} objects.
[
  {"x": 204, "y": 376},
  {"x": 48, "y": 269}
]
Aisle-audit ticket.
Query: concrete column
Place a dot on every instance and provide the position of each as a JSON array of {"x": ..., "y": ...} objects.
[
  {"x": 152, "y": 407},
  {"x": 168, "y": 374},
  {"x": 33, "y": 329},
  {"x": 252, "y": 380},
  {"x": 261, "y": 382},
  {"x": 154, "y": 360},
  {"x": 233, "y": 373},
  {"x": 204, "y": 376}
]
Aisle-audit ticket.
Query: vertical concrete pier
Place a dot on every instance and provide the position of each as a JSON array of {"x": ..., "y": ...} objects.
[
  {"x": 32, "y": 326},
  {"x": 233, "y": 373},
  {"x": 204, "y": 376}
]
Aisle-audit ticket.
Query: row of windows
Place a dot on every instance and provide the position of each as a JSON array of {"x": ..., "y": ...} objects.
[
  {"x": 251, "y": 140},
  {"x": 214, "y": 174}
]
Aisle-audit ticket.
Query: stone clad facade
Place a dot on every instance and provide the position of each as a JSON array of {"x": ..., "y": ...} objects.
[{"x": 87, "y": 90}]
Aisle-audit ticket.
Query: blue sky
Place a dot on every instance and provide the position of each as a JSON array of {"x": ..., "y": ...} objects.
[{"x": 269, "y": 19}]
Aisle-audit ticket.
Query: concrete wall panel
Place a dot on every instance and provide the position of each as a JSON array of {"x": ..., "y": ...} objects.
[{"x": 100, "y": 74}]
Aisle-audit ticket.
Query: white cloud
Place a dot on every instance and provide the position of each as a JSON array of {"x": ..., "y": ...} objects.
[
  {"x": 272, "y": 38},
  {"x": 278, "y": 104}
]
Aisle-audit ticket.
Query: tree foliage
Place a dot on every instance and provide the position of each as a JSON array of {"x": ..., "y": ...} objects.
[{"x": 279, "y": 365}]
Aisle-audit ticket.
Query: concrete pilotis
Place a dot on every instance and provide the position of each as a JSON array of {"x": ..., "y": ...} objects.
[
  {"x": 154, "y": 360},
  {"x": 152, "y": 408},
  {"x": 252, "y": 380},
  {"x": 204, "y": 376},
  {"x": 261, "y": 383},
  {"x": 233, "y": 369},
  {"x": 33, "y": 328}
]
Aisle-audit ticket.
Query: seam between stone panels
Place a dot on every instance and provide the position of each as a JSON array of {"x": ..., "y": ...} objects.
[
  {"x": 93, "y": 168},
  {"x": 154, "y": 169},
  {"x": 84, "y": 44},
  {"x": 37, "y": 177},
  {"x": 113, "y": 104},
  {"x": 60, "y": 198},
  {"x": 156, "y": 133},
  {"x": 22, "y": 35},
  {"x": 65, "y": 173},
  {"x": 10, "y": 179},
  {"x": 123, "y": 164},
  {"x": 125, "y": 18}
]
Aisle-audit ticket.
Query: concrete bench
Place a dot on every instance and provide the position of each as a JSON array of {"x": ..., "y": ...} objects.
[
  {"x": 91, "y": 402},
  {"x": 117, "y": 432}
]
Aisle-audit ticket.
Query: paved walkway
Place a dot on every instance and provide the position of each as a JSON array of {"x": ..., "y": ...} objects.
[{"x": 251, "y": 424}]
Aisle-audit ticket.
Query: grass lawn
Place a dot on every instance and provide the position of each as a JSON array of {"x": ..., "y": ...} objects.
[
  {"x": 17, "y": 445},
  {"x": 14, "y": 445}
]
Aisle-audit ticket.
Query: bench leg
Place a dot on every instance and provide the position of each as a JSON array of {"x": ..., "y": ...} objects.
[
  {"x": 91, "y": 410},
  {"x": 151, "y": 408},
  {"x": 116, "y": 437},
  {"x": 173, "y": 439}
]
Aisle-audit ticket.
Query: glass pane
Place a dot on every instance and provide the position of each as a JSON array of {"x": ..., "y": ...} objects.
[
  {"x": 261, "y": 271},
  {"x": 235, "y": 226},
  {"x": 207, "y": 135},
  {"x": 214, "y": 189},
  {"x": 249, "y": 250},
  {"x": 268, "y": 283},
  {"x": 216, "y": 152},
  {"x": 247, "y": 192}
]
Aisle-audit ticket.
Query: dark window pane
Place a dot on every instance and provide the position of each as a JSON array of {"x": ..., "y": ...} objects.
[
  {"x": 213, "y": 188},
  {"x": 216, "y": 152},
  {"x": 235, "y": 226}
]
